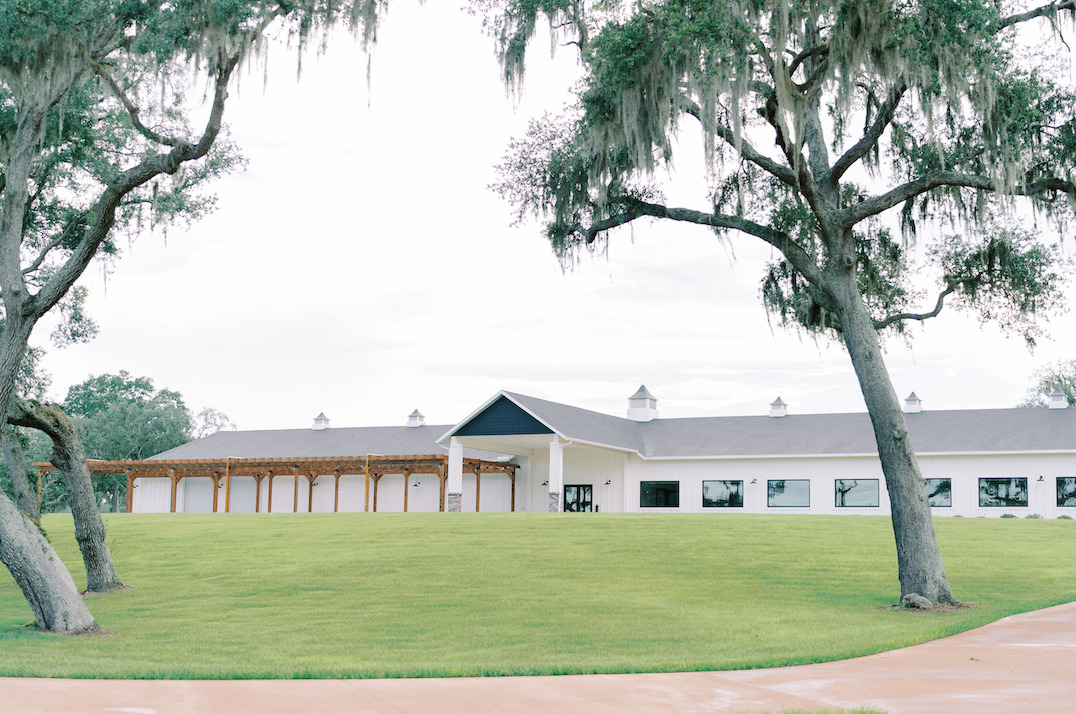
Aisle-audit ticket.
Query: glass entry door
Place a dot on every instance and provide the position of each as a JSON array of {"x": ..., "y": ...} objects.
[{"x": 578, "y": 498}]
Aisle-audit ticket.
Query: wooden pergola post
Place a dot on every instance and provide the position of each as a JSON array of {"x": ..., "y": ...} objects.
[
  {"x": 175, "y": 482},
  {"x": 258, "y": 492},
  {"x": 295, "y": 503},
  {"x": 366, "y": 498},
  {"x": 227, "y": 485},
  {"x": 311, "y": 478},
  {"x": 336, "y": 492},
  {"x": 130, "y": 491},
  {"x": 512, "y": 477},
  {"x": 377, "y": 479},
  {"x": 477, "y": 488},
  {"x": 216, "y": 487},
  {"x": 269, "y": 505},
  {"x": 407, "y": 486},
  {"x": 442, "y": 476}
]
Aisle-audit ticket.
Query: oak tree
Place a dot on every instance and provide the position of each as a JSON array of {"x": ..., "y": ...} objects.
[
  {"x": 111, "y": 120},
  {"x": 860, "y": 139}
]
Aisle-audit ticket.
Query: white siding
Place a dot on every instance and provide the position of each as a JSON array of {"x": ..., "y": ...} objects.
[
  {"x": 352, "y": 493},
  {"x": 593, "y": 467},
  {"x": 244, "y": 490},
  {"x": 152, "y": 495},
  {"x": 198, "y": 495}
]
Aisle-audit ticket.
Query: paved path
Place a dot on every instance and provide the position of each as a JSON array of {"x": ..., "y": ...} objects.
[{"x": 1024, "y": 663}]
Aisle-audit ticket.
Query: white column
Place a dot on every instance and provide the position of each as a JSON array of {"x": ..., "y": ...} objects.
[
  {"x": 556, "y": 475},
  {"x": 454, "y": 487}
]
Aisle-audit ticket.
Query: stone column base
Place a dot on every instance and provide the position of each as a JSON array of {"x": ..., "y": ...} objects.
[
  {"x": 453, "y": 502},
  {"x": 554, "y": 501}
]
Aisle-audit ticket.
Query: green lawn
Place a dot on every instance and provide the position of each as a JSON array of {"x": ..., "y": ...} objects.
[{"x": 389, "y": 595}]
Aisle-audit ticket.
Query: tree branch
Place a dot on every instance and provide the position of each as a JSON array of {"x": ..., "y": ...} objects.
[
  {"x": 793, "y": 252},
  {"x": 747, "y": 151},
  {"x": 132, "y": 110},
  {"x": 104, "y": 211},
  {"x": 952, "y": 285},
  {"x": 1044, "y": 11},
  {"x": 869, "y": 139},
  {"x": 935, "y": 179}
]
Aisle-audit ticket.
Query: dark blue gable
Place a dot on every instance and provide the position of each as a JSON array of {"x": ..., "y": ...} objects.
[{"x": 502, "y": 417}]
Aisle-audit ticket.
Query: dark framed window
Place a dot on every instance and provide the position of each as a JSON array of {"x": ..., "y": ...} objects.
[
  {"x": 659, "y": 494},
  {"x": 788, "y": 493},
  {"x": 855, "y": 493},
  {"x": 1066, "y": 491},
  {"x": 722, "y": 494},
  {"x": 1002, "y": 492},
  {"x": 940, "y": 492}
]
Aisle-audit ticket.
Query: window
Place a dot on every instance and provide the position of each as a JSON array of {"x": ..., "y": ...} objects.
[
  {"x": 940, "y": 492},
  {"x": 722, "y": 494},
  {"x": 855, "y": 493},
  {"x": 659, "y": 494},
  {"x": 578, "y": 498},
  {"x": 1002, "y": 492},
  {"x": 1066, "y": 491},
  {"x": 788, "y": 493}
]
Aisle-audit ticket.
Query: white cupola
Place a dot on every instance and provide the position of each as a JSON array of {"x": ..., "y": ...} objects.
[
  {"x": 415, "y": 418},
  {"x": 778, "y": 408},
  {"x": 1058, "y": 400},
  {"x": 912, "y": 404},
  {"x": 321, "y": 422},
  {"x": 642, "y": 406}
]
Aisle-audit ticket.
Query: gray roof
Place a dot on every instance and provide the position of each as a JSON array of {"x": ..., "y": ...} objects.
[
  {"x": 643, "y": 393},
  {"x": 346, "y": 441},
  {"x": 950, "y": 431}
]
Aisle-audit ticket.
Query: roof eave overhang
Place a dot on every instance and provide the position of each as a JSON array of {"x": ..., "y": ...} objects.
[{"x": 860, "y": 455}]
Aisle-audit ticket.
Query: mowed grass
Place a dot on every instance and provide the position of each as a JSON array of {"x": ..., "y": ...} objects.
[{"x": 393, "y": 595}]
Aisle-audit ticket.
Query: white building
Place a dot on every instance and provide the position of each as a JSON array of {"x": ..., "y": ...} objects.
[{"x": 985, "y": 462}]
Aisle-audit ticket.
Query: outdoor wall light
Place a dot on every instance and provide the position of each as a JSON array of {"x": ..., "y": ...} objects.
[
  {"x": 416, "y": 484},
  {"x": 545, "y": 483},
  {"x": 754, "y": 480},
  {"x": 1041, "y": 479},
  {"x": 608, "y": 481}
]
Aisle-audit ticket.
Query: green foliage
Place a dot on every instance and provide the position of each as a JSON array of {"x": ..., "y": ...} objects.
[
  {"x": 958, "y": 120},
  {"x": 98, "y": 393},
  {"x": 120, "y": 417},
  {"x": 367, "y": 602},
  {"x": 1004, "y": 276},
  {"x": 1057, "y": 375}
]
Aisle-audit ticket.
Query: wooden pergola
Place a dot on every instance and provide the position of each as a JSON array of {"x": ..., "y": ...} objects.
[{"x": 372, "y": 466}]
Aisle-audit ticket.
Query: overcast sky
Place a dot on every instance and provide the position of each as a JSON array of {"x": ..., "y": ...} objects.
[{"x": 361, "y": 267}]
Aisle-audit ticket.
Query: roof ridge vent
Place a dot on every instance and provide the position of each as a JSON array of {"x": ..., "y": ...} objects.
[
  {"x": 913, "y": 404},
  {"x": 415, "y": 418},
  {"x": 1058, "y": 400},
  {"x": 642, "y": 406},
  {"x": 778, "y": 408},
  {"x": 321, "y": 422}
]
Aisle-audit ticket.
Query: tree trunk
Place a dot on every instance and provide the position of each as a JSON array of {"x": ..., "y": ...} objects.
[
  {"x": 69, "y": 457},
  {"x": 919, "y": 563},
  {"x": 26, "y": 497}
]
